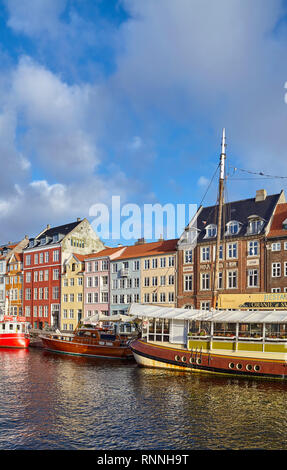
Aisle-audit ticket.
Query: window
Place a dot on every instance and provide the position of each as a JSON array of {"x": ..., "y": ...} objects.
[
  {"x": 36, "y": 259},
  {"x": 56, "y": 255},
  {"x": 146, "y": 281},
  {"x": 56, "y": 292},
  {"x": 28, "y": 276},
  {"x": 162, "y": 297},
  {"x": 56, "y": 274},
  {"x": 232, "y": 280},
  {"x": 276, "y": 246},
  {"x": 232, "y": 250},
  {"x": 171, "y": 260},
  {"x": 171, "y": 296},
  {"x": 46, "y": 293},
  {"x": 146, "y": 264},
  {"x": 154, "y": 280},
  {"x": 205, "y": 253},
  {"x": 211, "y": 231},
  {"x": 114, "y": 267},
  {"x": 162, "y": 262},
  {"x": 28, "y": 260},
  {"x": 28, "y": 294},
  {"x": 205, "y": 305},
  {"x": 253, "y": 248},
  {"x": 115, "y": 299},
  {"x": 220, "y": 281},
  {"x": 255, "y": 225},
  {"x": 171, "y": 280},
  {"x": 252, "y": 278},
  {"x": 285, "y": 268},
  {"x": 276, "y": 289},
  {"x": 146, "y": 298},
  {"x": 154, "y": 263},
  {"x": 136, "y": 265},
  {"x": 276, "y": 269},
  {"x": 188, "y": 256},
  {"x": 233, "y": 227},
  {"x": 105, "y": 265},
  {"x": 154, "y": 297},
  {"x": 162, "y": 280},
  {"x": 46, "y": 256},
  {"x": 188, "y": 282},
  {"x": 205, "y": 281}
]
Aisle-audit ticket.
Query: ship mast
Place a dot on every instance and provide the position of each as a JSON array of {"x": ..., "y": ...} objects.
[{"x": 219, "y": 218}]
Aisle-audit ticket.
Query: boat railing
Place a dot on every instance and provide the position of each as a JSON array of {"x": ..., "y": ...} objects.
[{"x": 256, "y": 338}]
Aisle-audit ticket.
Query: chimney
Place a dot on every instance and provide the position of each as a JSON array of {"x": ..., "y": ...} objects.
[
  {"x": 260, "y": 195},
  {"x": 78, "y": 219},
  {"x": 140, "y": 241},
  {"x": 48, "y": 226}
]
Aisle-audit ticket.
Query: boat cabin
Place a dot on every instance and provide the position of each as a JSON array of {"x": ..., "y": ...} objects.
[
  {"x": 195, "y": 329},
  {"x": 7, "y": 327}
]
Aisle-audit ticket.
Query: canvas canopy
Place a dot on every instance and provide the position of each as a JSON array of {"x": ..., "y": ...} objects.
[
  {"x": 112, "y": 318},
  {"x": 225, "y": 316}
]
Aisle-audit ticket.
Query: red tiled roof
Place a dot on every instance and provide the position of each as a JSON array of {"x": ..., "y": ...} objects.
[
  {"x": 149, "y": 249},
  {"x": 105, "y": 252},
  {"x": 280, "y": 215}
]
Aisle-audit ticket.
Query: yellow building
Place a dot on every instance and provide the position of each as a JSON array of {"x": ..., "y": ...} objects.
[
  {"x": 14, "y": 285},
  {"x": 158, "y": 274},
  {"x": 72, "y": 292}
]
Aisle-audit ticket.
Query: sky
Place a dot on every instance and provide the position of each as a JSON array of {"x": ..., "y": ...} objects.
[{"x": 128, "y": 98}]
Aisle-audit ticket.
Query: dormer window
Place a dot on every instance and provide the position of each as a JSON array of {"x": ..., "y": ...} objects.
[
  {"x": 55, "y": 238},
  {"x": 211, "y": 231},
  {"x": 31, "y": 243},
  {"x": 233, "y": 227},
  {"x": 43, "y": 241},
  {"x": 284, "y": 224},
  {"x": 255, "y": 224}
]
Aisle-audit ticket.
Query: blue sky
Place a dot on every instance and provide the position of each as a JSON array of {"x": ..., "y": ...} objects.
[{"x": 129, "y": 97}]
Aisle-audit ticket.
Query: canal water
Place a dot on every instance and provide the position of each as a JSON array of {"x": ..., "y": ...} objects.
[{"x": 58, "y": 402}]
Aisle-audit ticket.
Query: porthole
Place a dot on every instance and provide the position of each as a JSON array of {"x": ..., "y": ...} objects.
[
  {"x": 198, "y": 361},
  {"x": 177, "y": 358},
  {"x": 183, "y": 359},
  {"x": 191, "y": 360},
  {"x": 248, "y": 367},
  {"x": 257, "y": 368},
  {"x": 239, "y": 366},
  {"x": 231, "y": 365}
]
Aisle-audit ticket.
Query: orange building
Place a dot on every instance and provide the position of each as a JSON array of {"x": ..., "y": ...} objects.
[{"x": 14, "y": 284}]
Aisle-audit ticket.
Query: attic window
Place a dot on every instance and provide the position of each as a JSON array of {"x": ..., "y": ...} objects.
[
  {"x": 255, "y": 224},
  {"x": 284, "y": 224},
  {"x": 233, "y": 227},
  {"x": 31, "y": 243},
  {"x": 43, "y": 241},
  {"x": 211, "y": 231},
  {"x": 55, "y": 237}
]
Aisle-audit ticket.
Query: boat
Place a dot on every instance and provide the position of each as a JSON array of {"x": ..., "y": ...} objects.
[
  {"x": 241, "y": 343},
  {"x": 14, "y": 332},
  {"x": 93, "y": 340}
]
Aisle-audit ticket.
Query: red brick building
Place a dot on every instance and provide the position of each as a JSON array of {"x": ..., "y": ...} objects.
[
  {"x": 242, "y": 259},
  {"x": 276, "y": 252},
  {"x": 44, "y": 260}
]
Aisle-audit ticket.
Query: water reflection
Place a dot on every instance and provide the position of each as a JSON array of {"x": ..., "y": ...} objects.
[{"x": 51, "y": 401}]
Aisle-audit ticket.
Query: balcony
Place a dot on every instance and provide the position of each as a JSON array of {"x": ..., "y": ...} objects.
[{"x": 124, "y": 272}]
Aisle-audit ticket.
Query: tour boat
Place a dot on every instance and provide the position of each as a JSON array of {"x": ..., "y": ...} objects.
[
  {"x": 89, "y": 341},
  {"x": 242, "y": 343},
  {"x": 14, "y": 332}
]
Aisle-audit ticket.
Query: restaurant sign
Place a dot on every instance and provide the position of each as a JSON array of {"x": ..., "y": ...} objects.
[{"x": 264, "y": 301}]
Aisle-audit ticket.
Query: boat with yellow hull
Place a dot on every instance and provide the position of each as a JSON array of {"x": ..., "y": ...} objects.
[{"x": 242, "y": 343}]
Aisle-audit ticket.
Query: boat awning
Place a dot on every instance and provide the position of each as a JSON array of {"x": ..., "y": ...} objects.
[
  {"x": 224, "y": 316},
  {"x": 108, "y": 318}
]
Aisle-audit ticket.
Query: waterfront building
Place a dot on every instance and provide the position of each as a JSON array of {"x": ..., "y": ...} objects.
[
  {"x": 276, "y": 252},
  {"x": 72, "y": 292},
  {"x": 144, "y": 273},
  {"x": 242, "y": 260},
  {"x": 97, "y": 281},
  {"x": 14, "y": 284},
  {"x": 158, "y": 273},
  {"x": 44, "y": 261},
  {"x": 6, "y": 252}
]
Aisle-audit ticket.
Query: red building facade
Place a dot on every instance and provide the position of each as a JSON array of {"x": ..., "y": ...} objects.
[{"x": 42, "y": 285}]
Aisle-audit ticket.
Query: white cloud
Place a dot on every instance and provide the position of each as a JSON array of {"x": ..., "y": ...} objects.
[{"x": 202, "y": 181}]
